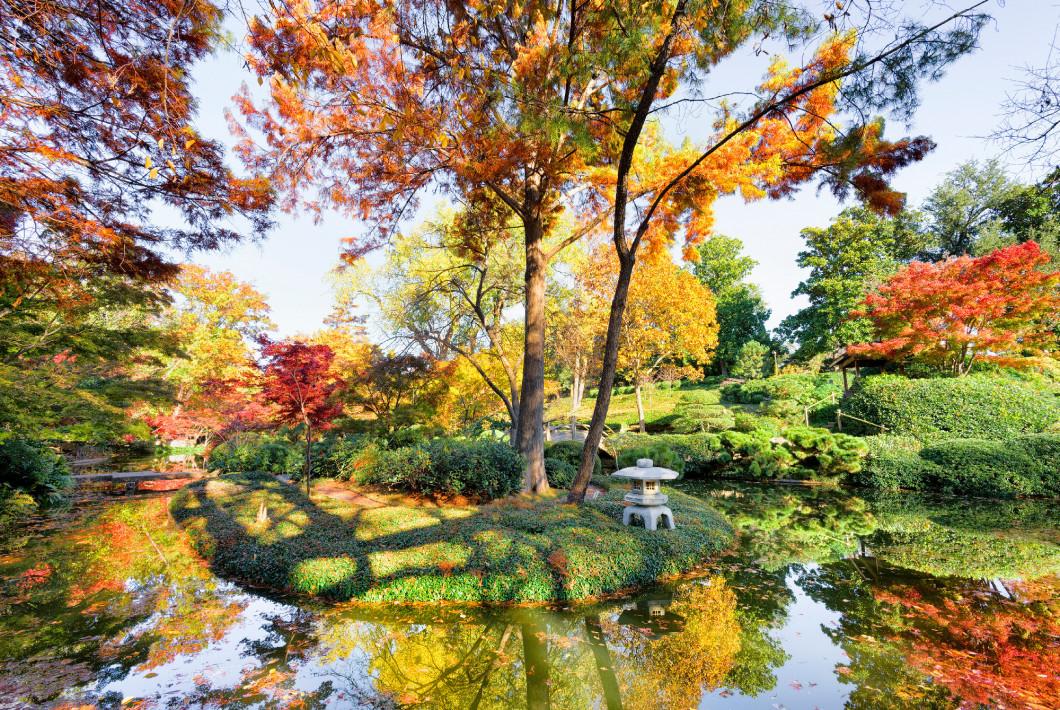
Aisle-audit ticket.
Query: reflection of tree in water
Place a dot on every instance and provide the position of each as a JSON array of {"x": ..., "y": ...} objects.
[
  {"x": 915, "y": 641},
  {"x": 987, "y": 648},
  {"x": 779, "y": 526},
  {"x": 537, "y": 659},
  {"x": 65, "y": 614},
  {"x": 762, "y": 601},
  {"x": 673, "y": 671},
  {"x": 502, "y": 662},
  {"x": 977, "y": 538}
]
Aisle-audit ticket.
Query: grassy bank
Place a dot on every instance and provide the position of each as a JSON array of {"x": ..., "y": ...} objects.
[
  {"x": 513, "y": 551},
  {"x": 659, "y": 403}
]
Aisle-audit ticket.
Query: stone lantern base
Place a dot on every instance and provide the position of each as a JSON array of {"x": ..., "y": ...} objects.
[{"x": 650, "y": 514}]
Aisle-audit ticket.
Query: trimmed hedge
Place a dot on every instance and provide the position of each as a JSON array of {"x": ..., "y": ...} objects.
[
  {"x": 1019, "y": 466},
  {"x": 518, "y": 551},
  {"x": 892, "y": 462},
  {"x": 977, "y": 406}
]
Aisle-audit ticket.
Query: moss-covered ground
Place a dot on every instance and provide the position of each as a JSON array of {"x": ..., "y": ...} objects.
[{"x": 517, "y": 550}]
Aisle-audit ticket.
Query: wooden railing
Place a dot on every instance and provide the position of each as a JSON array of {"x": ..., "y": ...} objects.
[
  {"x": 839, "y": 420},
  {"x": 808, "y": 407}
]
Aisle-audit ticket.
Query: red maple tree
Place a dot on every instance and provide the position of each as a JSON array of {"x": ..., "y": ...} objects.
[
  {"x": 994, "y": 308},
  {"x": 296, "y": 379}
]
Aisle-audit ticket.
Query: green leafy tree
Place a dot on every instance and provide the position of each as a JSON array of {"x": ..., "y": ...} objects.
[
  {"x": 742, "y": 312},
  {"x": 75, "y": 359},
  {"x": 1031, "y": 213},
  {"x": 854, "y": 254},
  {"x": 965, "y": 207}
]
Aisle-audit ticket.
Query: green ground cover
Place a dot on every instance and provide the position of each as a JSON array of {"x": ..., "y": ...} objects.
[{"x": 517, "y": 550}]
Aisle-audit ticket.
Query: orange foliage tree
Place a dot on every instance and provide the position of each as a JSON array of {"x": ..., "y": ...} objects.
[
  {"x": 956, "y": 312},
  {"x": 96, "y": 112},
  {"x": 214, "y": 317},
  {"x": 787, "y": 138},
  {"x": 526, "y": 108}
]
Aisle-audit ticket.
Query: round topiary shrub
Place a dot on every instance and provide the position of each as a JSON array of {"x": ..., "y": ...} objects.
[
  {"x": 571, "y": 452},
  {"x": 559, "y": 473}
]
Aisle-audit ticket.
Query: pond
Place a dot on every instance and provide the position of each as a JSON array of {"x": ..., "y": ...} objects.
[
  {"x": 161, "y": 461},
  {"x": 833, "y": 599}
]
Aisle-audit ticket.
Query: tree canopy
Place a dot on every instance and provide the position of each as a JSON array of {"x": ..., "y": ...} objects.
[{"x": 994, "y": 308}]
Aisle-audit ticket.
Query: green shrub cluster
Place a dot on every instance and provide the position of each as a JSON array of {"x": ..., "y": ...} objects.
[
  {"x": 892, "y": 462},
  {"x": 445, "y": 467},
  {"x": 269, "y": 454},
  {"x": 30, "y": 467},
  {"x": 1018, "y": 466},
  {"x": 785, "y": 397},
  {"x": 333, "y": 457},
  {"x": 978, "y": 406},
  {"x": 701, "y": 412},
  {"x": 693, "y": 449},
  {"x": 559, "y": 473},
  {"x": 571, "y": 452},
  {"x": 660, "y": 454},
  {"x": 760, "y": 452}
]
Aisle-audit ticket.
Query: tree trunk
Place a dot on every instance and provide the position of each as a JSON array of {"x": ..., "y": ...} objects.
[
  {"x": 627, "y": 258},
  {"x": 607, "y": 382},
  {"x": 535, "y": 662},
  {"x": 640, "y": 409},
  {"x": 724, "y": 369},
  {"x": 594, "y": 634},
  {"x": 308, "y": 458},
  {"x": 530, "y": 438}
]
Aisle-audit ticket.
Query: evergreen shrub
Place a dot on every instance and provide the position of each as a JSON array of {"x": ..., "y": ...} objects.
[
  {"x": 559, "y": 473},
  {"x": 977, "y": 406},
  {"x": 761, "y": 452},
  {"x": 33, "y": 469},
  {"x": 660, "y": 454},
  {"x": 1019, "y": 466},
  {"x": 1000, "y": 469},
  {"x": 446, "y": 467},
  {"x": 893, "y": 462}
]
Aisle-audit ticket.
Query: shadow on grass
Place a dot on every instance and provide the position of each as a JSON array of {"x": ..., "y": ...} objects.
[{"x": 547, "y": 553}]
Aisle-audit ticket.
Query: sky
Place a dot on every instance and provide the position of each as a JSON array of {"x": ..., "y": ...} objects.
[{"x": 958, "y": 113}]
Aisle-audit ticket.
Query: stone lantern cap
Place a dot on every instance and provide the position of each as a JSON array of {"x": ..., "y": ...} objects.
[{"x": 646, "y": 470}]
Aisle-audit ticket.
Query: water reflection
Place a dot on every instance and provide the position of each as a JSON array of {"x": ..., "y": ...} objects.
[{"x": 833, "y": 600}]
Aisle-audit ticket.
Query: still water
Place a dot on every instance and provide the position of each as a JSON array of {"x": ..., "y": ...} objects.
[{"x": 833, "y": 599}]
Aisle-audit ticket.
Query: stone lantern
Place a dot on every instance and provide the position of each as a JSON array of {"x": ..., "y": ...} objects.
[{"x": 645, "y": 493}]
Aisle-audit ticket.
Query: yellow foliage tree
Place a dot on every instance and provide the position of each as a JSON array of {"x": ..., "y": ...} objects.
[{"x": 669, "y": 315}]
